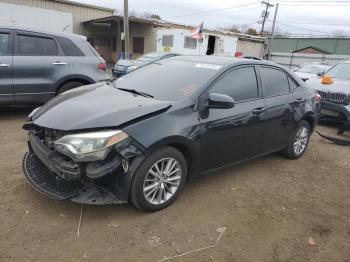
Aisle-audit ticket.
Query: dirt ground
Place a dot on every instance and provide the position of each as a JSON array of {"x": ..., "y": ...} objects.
[{"x": 270, "y": 208}]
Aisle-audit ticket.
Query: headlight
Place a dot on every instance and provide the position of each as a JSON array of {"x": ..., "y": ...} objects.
[
  {"x": 91, "y": 146},
  {"x": 132, "y": 67}
]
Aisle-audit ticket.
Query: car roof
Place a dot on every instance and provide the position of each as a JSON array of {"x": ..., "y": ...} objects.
[
  {"x": 41, "y": 31},
  {"x": 222, "y": 60}
]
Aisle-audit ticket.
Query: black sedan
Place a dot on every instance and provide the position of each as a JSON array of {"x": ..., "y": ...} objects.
[
  {"x": 124, "y": 66},
  {"x": 141, "y": 137}
]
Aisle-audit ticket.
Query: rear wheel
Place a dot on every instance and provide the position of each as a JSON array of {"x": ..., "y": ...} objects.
[
  {"x": 68, "y": 86},
  {"x": 298, "y": 142},
  {"x": 159, "y": 180}
]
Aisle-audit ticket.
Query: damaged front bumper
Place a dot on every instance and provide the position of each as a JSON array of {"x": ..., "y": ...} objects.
[
  {"x": 98, "y": 182},
  {"x": 334, "y": 112}
]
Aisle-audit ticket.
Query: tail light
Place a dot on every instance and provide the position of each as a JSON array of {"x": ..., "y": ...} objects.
[
  {"x": 102, "y": 66},
  {"x": 318, "y": 98}
]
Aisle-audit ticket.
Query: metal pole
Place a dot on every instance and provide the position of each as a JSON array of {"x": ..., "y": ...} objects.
[
  {"x": 272, "y": 32},
  {"x": 265, "y": 15},
  {"x": 126, "y": 29}
]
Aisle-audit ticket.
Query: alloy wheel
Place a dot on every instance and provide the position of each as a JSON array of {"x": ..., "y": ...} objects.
[
  {"x": 162, "y": 181},
  {"x": 301, "y": 139}
]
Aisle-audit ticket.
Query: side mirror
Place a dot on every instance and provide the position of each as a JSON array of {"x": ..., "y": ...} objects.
[
  {"x": 220, "y": 101},
  {"x": 304, "y": 79},
  {"x": 320, "y": 73}
]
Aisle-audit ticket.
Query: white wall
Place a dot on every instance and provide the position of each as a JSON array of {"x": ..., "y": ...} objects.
[
  {"x": 224, "y": 44},
  {"x": 26, "y": 16}
]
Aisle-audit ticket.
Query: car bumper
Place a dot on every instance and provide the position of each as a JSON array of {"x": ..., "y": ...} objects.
[
  {"x": 51, "y": 174},
  {"x": 334, "y": 112}
]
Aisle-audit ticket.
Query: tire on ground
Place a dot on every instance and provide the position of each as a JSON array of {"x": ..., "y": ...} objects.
[
  {"x": 136, "y": 195},
  {"x": 289, "y": 151}
]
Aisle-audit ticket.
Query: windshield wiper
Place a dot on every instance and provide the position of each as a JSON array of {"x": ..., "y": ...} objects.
[{"x": 134, "y": 91}]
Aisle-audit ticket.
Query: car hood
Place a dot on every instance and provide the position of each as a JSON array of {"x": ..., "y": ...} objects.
[
  {"x": 127, "y": 63},
  {"x": 338, "y": 85},
  {"x": 306, "y": 75},
  {"x": 96, "y": 106}
]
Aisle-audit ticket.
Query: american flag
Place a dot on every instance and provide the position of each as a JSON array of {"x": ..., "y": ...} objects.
[{"x": 197, "y": 33}]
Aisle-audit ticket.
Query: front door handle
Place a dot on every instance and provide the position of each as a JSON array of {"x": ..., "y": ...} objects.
[
  {"x": 259, "y": 111},
  {"x": 4, "y": 65},
  {"x": 59, "y": 63}
]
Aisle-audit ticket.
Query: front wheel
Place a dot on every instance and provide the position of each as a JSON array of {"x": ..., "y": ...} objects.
[
  {"x": 159, "y": 180},
  {"x": 298, "y": 142}
]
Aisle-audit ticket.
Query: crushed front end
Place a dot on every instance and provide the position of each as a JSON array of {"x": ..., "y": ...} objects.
[
  {"x": 335, "y": 106},
  {"x": 60, "y": 165}
]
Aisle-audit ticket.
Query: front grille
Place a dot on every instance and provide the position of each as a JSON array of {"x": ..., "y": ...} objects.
[
  {"x": 46, "y": 182},
  {"x": 334, "y": 97}
]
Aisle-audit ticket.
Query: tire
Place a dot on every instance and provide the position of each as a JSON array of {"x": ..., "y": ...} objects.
[
  {"x": 291, "y": 151},
  {"x": 168, "y": 187},
  {"x": 68, "y": 86}
]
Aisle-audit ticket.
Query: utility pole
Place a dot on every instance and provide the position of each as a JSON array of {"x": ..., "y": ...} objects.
[
  {"x": 268, "y": 5},
  {"x": 126, "y": 29},
  {"x": 272, "y": 32}
]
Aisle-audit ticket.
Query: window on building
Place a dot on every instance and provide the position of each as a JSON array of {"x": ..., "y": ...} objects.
[
  {"x": 4, "y": 44},
  {"x": 68, "y": 47},
  {"x": 275, "y": 81},
  {"x": 138, "y": 45},
  {"x": 38, "y": 46},
  {"x": 240, "y": 84},
  {"x": 190, "y": 42},
  {"x": 168, "y": 40}
]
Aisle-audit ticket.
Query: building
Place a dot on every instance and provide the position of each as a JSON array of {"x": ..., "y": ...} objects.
[
  {"x": 297, "y": 51},
  {"x": 104, "y": 29},
  {"x": 147, "y": 35}
]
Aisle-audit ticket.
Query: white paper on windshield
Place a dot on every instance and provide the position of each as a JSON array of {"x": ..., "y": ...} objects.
[{"x": 208, "y": 66}]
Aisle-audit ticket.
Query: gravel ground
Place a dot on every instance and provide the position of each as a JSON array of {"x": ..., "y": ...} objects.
[{"x": 271, "y": 207}]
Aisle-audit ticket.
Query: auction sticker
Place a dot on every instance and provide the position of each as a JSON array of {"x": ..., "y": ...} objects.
[{"x": 208, "y": 66}]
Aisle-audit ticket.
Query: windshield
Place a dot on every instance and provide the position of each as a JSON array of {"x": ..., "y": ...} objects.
[
  {"x": 149, "y": 57},
  {"x": 340, "y": 71},
  {"x": 312, "y": 69},
  {"x": 168, "y": 79}
]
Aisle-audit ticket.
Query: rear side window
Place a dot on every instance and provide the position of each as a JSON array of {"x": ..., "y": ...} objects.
[
  {"x": 38, "y": 46},
  {"x": 274, "y": 81},
  {"x": 240, "y": 84},
  {"x": 4, "y": 44},
  {"x": 68, "y": 47}
]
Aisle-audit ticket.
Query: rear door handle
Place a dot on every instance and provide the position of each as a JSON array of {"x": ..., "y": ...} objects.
[
  {"x": 299, "y": 100},
  {"x": 59, "y": 63},
  {"x": 259, "y": 111},
  {"x": 4, "y": 65}
]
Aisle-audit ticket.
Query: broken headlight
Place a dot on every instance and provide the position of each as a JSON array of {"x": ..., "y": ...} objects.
[{"x": 90, "y": 146}]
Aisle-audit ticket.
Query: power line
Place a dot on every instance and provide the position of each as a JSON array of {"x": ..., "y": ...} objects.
[{"x": 215, "y": 10}]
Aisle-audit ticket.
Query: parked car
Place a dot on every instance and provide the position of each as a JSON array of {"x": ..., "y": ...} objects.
[
  {"x": 124, "y": 66},
  {"x": 335, "y": 93},
  {"x": 311, "y": 70},
  {"x": 36, "y": 65},
  {"x": 141, "y": 137}
]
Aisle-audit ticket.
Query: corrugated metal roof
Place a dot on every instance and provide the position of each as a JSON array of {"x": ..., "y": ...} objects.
[{"x": 85, "y": 5}]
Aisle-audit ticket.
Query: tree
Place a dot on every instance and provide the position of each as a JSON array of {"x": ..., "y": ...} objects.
[
  {"x": 155, "y": 16},
  {"x": 251, "y": 31}
]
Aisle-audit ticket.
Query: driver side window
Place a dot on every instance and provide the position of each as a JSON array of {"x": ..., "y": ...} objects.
[{"x": 241, "y": 84}]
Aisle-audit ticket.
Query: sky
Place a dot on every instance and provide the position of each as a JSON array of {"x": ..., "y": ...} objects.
[{"x": 309, "y": 17}]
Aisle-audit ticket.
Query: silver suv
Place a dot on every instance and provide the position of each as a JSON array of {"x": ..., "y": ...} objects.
[{"x": 37, "y": 65}]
